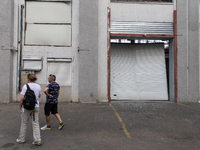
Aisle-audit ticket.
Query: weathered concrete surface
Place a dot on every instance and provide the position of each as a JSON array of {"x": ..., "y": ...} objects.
[
  {"x": 152, "y": 126},
  {"x": 6, "y": 55},
  {"x": 88, "y": 51},
  {"x": 188, "y": 50}
]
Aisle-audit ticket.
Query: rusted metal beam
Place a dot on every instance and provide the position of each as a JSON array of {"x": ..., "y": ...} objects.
[
  {"x": 108, "y": 47},
  {"x": 175, "y": 56},
  {"x": 142, "y": 35}
]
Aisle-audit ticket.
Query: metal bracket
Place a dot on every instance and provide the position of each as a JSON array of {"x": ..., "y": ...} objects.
[
  {"x": 178, "y": 34},
  {"x": 9, "y": 48},
  {"x": 82, "y": 49}
]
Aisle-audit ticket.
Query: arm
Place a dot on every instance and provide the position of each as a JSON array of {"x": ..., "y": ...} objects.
[
  {"x": 39, "y": 95},
  {"x": 58, "y": 93},
  {"x": 21, "y": 101},
  {"x": 46, "y": 92}
]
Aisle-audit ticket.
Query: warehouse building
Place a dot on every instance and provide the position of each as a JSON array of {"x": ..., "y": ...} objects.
[{"x": 102, "y": 51}]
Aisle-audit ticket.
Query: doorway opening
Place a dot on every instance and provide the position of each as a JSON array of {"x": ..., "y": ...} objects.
[{"x": 141, "y": 69}]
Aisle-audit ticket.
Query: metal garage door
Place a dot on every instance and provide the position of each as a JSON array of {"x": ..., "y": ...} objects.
[{"x": 138, "y": 72}]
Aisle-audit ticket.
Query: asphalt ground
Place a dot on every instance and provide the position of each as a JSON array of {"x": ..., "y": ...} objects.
[{"x": 109, "y": 126}]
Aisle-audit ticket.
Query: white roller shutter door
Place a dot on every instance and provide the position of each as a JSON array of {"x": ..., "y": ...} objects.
[{"x": 138, "y": 72}]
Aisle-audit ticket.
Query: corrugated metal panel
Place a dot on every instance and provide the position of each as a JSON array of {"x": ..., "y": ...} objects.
[
  {"x": 138, "y": 72},
  {"x": 131, "y": 27},
  {"x": 141, "y": 0},
  {"x": 54, "y": 0}
]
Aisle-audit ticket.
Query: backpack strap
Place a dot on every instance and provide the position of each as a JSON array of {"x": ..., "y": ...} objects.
[
  {"x": 33, "y": 113},
  {"x": 28, "y": 87}
]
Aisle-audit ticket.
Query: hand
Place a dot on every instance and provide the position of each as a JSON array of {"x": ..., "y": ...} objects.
[{"x": 50, "y": 96}]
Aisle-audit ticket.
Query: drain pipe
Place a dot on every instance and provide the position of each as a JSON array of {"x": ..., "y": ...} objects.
[
  {"x": 188, "y": 92},
  {"x": 21, "y": 7}
]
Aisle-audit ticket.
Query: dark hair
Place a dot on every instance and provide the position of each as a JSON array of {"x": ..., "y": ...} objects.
[
  {"x": 52, "y": 76},
  {"x": 31, "y": 77}
]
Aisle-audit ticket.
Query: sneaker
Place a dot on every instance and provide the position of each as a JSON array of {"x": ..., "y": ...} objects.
[
  {"x": 61, "y": 126},
  {"x": 36, "y": 143},
  {"x": 46, "y": 128},
  {"x": 19, "y": 141}
]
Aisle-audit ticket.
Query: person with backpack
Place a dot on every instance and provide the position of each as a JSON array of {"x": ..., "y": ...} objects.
[
  {"x": 52, "y": 92},
  {"x": 29, "y": 108}
]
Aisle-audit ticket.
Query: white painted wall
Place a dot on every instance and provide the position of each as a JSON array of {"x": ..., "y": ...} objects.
[
  {"x": 45, "y": 52},
  {"x": 159, "y": 12}
]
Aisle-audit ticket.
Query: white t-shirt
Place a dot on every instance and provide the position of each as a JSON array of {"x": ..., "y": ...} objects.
[{"x": 36, "y": 88}]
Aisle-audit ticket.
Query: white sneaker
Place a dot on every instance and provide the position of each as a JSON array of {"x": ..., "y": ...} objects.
[
  {"x": 45, "y": 128},
  {"x": 61, "y": 126},
  {"x": 19, "y": 141},
  {"x": 36, "y": 143}
]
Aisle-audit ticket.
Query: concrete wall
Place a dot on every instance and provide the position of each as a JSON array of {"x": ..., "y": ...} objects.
[
  {"x": 6, "y": 41},
  {"x": 88, "y": 53},
  {"x": 188, "y": 50},
  {"x": 89, "y": 33},
  {"x": 103, "y": 51}
]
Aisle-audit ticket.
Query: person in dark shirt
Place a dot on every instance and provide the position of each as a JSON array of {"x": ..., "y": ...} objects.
[{"x": 52, "y": 92}]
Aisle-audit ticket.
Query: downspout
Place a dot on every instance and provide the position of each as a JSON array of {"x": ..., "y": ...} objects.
[
  {"x": 199, "y": 47},
  {"x": 108, "y": 54},
  {"x": 175, "y": 57},
  {"x": 188, "y": 93},
  {"x": 21, "y": 7}
]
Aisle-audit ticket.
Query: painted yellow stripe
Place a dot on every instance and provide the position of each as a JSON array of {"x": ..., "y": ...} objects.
[
  {"x": 189, "y": 107},
  {"x": 120, "y": 120}
]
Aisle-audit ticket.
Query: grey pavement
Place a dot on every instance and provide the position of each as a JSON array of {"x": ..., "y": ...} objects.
[{"x": 151, "y": 125}]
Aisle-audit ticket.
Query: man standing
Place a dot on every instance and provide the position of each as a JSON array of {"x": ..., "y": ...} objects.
[{"x": 52, "y": 92}]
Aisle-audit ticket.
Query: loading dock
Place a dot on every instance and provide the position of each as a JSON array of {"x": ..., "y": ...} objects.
[
  {"x": 116, "y": 30},
  {"x": 138, "y": 72}
]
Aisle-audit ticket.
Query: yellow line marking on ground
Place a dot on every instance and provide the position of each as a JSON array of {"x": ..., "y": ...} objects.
[
  {"x": 120, "y": 120},
  {"x": 189, "y": 107}
]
